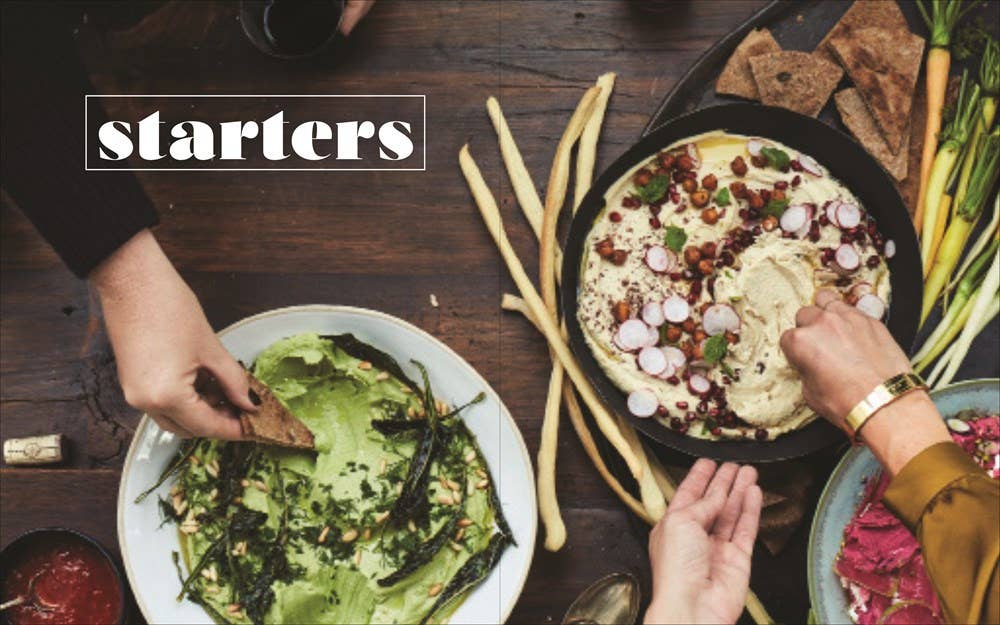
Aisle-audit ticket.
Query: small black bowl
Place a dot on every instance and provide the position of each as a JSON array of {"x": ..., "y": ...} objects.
[
  {"x": 44, "y": 534},
  {"x": 849, "y": 163}
]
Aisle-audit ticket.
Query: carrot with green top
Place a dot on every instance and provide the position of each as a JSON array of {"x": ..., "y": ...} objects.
[
  {"x": 989, "y": 81},
  {"x": 953, "y": 140},
  {"x": 941, "y": 21},
  {"x": 981, "y": 181}
]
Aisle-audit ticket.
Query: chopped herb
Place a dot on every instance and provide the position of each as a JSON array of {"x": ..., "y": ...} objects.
[
  {"x": 471, "y": 573},
  {"x": 654, "y": 191},
  {"x": 675, "y": 238},
  {"x": 716, "y": 348},
  {"x": 776, "y": 207},
  {"x": 722, "y": 197},
  {"x": 423, "y": 553},
  {"x": 776, "y": 158}
]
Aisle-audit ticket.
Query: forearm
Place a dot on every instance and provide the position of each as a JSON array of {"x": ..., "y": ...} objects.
[
  {"x": 84, "y": 215},
  {"x": 901, "y": 430}
]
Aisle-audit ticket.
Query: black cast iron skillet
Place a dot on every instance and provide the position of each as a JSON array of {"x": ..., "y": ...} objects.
[{"x": 848, "y": 162}]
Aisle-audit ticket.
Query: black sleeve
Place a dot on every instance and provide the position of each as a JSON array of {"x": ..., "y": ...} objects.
[{"x": 84, "y": 215}]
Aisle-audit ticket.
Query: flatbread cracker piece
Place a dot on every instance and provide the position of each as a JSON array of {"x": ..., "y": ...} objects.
[
  {"x": 860, "y": 122},
  {"x": 797, "y": 81},
  {"x": 884, "y": 65},
  {"x": 273, "y": 423},
  {"x": 736, "y": 77},
  {"x": 863, "y": 14}
]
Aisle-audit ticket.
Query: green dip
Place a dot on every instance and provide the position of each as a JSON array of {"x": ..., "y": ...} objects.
[{"x": 278, "y": 535}]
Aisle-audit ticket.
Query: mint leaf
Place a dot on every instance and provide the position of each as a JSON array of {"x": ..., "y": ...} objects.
[
  {"x": 722, "y": 197},
  {"x": 776, "y": 207},
  {"x": 654, "y": 191},
  {"x": 715, "y": 348},
  {"x": 776, "y": 158},
  {"x": 675, "y": 238},
  {"x": 727, "y": 370}
]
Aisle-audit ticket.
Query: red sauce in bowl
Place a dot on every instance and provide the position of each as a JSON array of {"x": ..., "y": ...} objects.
[{"x": 64, "y": 579}]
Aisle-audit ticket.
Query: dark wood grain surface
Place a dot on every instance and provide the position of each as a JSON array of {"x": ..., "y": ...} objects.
[{"x": 248, "y": 242}]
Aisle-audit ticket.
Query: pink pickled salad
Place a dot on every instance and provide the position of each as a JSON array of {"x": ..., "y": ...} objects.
[{"x": 880, "y": 564}]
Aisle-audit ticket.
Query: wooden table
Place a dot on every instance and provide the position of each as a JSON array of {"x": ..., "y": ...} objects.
[{"x": 249, "y": 242}]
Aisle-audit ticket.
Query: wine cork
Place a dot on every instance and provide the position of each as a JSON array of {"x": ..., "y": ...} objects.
[{"x": 34, "y": 450}]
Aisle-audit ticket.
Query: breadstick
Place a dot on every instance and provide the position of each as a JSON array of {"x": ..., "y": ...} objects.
[
  {"x": 491, "y": 217},
  {"x": 586, "y": 153},
  {"x": 649, "y": 490},
  {"x": 555, "y": 196},
  {"x": 524, "y": 188},
  {"x": 516, "y": 304}
]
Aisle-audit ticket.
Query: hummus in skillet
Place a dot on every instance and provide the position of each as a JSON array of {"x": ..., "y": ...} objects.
[{"x": 697, "y": 265}]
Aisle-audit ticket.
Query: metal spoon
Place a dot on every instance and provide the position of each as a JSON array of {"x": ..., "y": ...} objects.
[
  {"x": 31, "y": 598},
  {"x": 611, "y": 600}
]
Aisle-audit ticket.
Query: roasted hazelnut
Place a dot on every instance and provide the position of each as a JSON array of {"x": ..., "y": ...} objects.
[
  {"x": 732, "y": 338},
  {"x": 739, "y": 166},
  {"x": 667, "y": 160},
  {"x": 708, "y": 249},
  {"x": 699, "y": 336},
  {"x": 710, "y": 182},
  {"x": 642, "y": 177},
  {"x": 738, "y": 189},
  {"x": 687, "y": 348},
  {"x": 619, "y": 257},
  {"x": 710, "y": 215},
  {"x": 756, "y": 200},
  {"x": 673, "y": 334},
  {"x": 759, "y": 161},
  {"x": 778, "y": 194},
  {"x": 621, "y": 311},
  {"x": 692, "y": 255},
  {"x": 689, "y": 185},
  {"x": 696, "y": 352},
  {"x": 706, "y": 266},
  {"x": 684, "y": 162},
  {"x": 770, "y": 223},
  {"x": 688, "y": 326},
  {"x": 700, "y": 198},
  {"x": 605, "y": 248}
]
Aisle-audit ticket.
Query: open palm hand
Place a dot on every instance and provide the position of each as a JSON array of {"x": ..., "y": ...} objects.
[{"x": 700, "y": 551}]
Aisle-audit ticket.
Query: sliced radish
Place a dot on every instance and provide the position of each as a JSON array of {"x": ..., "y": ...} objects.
[
  {"x": 642, "y": 402},
  {"x": 652, "y": 360},
  {"x": 675, "y": 357},
  {"x": 754, "y": 146},
  {"x": 810, "y": 165},
  {"x": 848, "y": 215},
  {"x": 699, "y": 384},
  {"x": 676, "y": 309},
  {"x": 660, "y": 259},
  {"x": 890, "y": 248},
  {"x": 668, "y": 373},
  {"x": 862, "y": 288},
  {"x": 847, "y": 257},
  {"x": 692, "y": 151},
  {"x": 652, "y": 314},
  {"x": 831, "y": 212},
  {"x": 794, "y": 218},
  {"x": 652, "y": 337},
  {"x": 632, "y": 335},
  {"x": 720, "y": 318},
  {"x": 872, "y": 305}
]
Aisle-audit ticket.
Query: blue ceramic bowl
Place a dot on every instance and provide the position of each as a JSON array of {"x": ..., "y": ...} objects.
[{"x": 843, "y": 492}]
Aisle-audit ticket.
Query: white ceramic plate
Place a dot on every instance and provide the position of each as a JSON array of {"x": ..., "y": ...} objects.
[{"x": 146, "y": 547}]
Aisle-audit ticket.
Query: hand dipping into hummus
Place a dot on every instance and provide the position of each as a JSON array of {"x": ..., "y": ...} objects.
[{"x": 698, "y": 264}]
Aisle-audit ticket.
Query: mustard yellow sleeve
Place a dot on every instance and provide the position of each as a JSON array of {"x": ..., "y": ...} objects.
[{"x": 953, "y": 508}]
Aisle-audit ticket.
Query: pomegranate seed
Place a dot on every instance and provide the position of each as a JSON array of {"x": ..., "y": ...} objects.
[
  {"x": 692, "y": 298},
  {"x": 846, "y": 237},
  {"x": 760, "y": 435},
  {"x": 824, "y": 220},
  {"x": 682, "y": 405},
  {"x": 702, "y": 407},
  {"x": 674, "y": 380},
  {"x": 797, "y": 180},
  {"x": 615, "y": 216},
  {"x": 676, "y": 423},
  {"x": 781, "y": 185},
  {"x": 696, "y": 287},
  {"x": 689, "y": 417},
  {"x": 683, "y": 429},
  {"x": 757, "y": 230},
  {"x": 631, "y": 202},
  {"x": 655, "y": 223},
  {"x": 716, "y": 431},
  {"x": 662, "y": 411},
  {"x": 655, "y": 208},
  {"x": 796, "y": 165},
  {"x": 872, "y": 261}
]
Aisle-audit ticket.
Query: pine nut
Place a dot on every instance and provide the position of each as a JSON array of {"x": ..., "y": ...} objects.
[
  {"x": 435, "y": 590},
  {"x": 382, "y": 376},
  {"x": 466, "y": 522},
  {"x": 349, "y": 536},
  {"x": 322, "y": 535},
  {"x": 445, "y": 500},
  {"x": 364, "y": 365},
  {"x": 381, "y": 516},
  {"x": 469, "y": 457}
]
